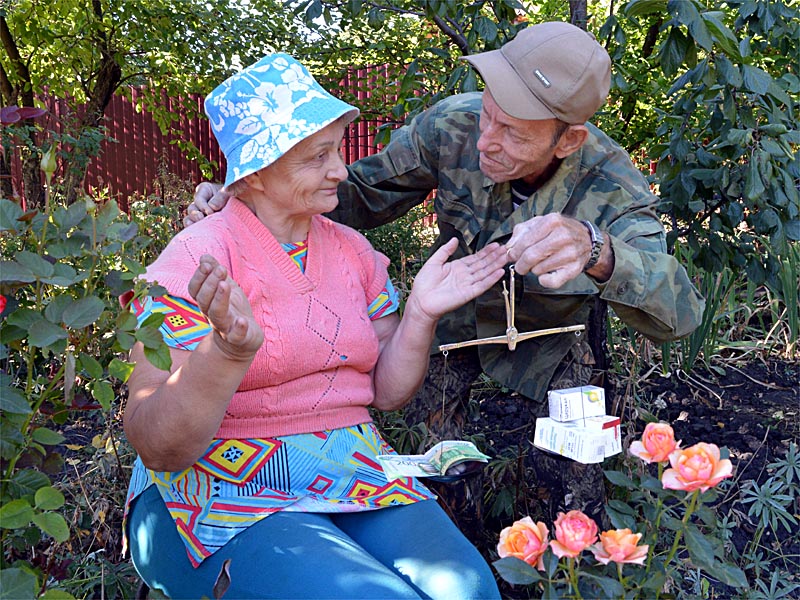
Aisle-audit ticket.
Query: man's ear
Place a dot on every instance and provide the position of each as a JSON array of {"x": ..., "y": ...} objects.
[{"x": 571, "y": 140}]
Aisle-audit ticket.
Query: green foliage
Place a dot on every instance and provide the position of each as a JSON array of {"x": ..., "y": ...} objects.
[
  {"x": 406, "y": 242},
  {"x": 85, "y": 51},
  {"x": 726, "y": 139},
  {"x": 63, "y": 339}
]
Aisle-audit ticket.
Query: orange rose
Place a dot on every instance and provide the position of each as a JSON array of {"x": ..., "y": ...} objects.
[
  {"x": 525, "y": 540},
  {"x": 696, "y": 467},
  {"x": 658, "y": 442},
  {"x": 620, "y": 546},
  {"x": 574, "y": 533}
]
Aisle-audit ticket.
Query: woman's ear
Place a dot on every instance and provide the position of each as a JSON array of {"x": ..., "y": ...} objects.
[
  {"x": 254, "y": 181},
  {"x": 571, "y": 140}
]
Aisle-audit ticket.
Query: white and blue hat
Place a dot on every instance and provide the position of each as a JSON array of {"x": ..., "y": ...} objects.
[{"x": 260, "y": 113}]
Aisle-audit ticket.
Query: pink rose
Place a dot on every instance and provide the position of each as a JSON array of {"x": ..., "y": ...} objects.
[
  {"x": 525, "y": 540},
  {"x": 620, "y": 546},
  {"x": 696, "y": 467},
  {"x": 658, "y": 442},
  {"x": 574, "y": 533}
]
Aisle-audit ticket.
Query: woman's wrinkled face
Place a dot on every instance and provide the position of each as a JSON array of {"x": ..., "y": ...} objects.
[{"x": 303, "y": 181}]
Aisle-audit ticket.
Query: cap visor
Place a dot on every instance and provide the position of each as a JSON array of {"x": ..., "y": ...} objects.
[{"x": 507, "y": 89}]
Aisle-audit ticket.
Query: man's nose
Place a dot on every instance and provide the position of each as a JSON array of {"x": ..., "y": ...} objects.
[{"x": 487, "y": 140}]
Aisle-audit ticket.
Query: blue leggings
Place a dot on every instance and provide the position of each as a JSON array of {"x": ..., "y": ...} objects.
[{"x": 411, "y": 551}]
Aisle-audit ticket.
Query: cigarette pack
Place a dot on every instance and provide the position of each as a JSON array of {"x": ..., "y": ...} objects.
[{"x": 577, "y": 403}]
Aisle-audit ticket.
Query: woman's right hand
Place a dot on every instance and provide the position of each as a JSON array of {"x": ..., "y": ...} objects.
[
  {"x": 208, "y": 199},
  {"x": 222, "y": 301}
]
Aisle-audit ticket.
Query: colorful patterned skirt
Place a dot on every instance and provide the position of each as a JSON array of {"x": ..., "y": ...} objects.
[{"x": 239, "y": 482}]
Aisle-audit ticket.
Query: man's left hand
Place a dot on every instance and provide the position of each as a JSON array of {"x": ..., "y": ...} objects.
[{"x": 556, "y": 249}]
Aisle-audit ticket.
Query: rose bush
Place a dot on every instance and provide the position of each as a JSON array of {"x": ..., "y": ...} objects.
[{"x": 663, "y": 525}]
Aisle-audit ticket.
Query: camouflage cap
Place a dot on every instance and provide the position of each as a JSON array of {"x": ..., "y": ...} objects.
[{"x": 550, "y": 70}]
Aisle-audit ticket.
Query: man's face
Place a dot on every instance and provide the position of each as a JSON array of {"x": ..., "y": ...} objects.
[{"x": 512, "y": 148}]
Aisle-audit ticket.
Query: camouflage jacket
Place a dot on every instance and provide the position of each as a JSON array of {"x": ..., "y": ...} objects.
[{"x": 649, "y": 290}]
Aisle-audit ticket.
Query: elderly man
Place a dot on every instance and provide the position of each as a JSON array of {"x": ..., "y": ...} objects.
[{"x": 519, "y": 164}]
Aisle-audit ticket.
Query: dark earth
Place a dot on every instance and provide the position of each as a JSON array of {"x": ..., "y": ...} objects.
[{"x": 751, "y": 409}]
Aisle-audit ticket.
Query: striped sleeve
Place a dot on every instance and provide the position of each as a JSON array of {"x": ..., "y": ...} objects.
[
  {"x": 385, "y": 303},
  {"x": 184, "y": 325}
]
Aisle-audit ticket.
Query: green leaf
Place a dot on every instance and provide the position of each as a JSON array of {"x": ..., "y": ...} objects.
[
  {"x": 83, "y": 312},
  {"x": 728, "y": 574},
  {"x": 792, "y": 229},
  {"x": 54, "y": 311},
  {"x": 756, "y": 79},
  {"x": 740, "y": 137},
  {"x": 700, "y": 549},
  {"x": 699, "y": 31},
  {"x": 15, "y": 514},
  {"x": 64, "y": 276},
  {"x": 639, "y": 8},
  {"x": 150, "y": 337},
  {"x": 754, "y": 184},
  {"x": 10, "y": 212},
  {"x": 620, "y": 480},
  {"x": 611, "y": 587},
  {"x": 12, "y": 271},
  {"x": 91, "y": 365},
  {"x": 52, "y": 524},
  {"x": 120, "y": 369},
  {"x": 46, "y": 437},
  {"x": 486, "y": 28},
  {"x": 728, "y": 72},
  {"x": 48, "y": 498},
  {"x": 12, "y": 400},
  {"x": 722, "y": 34},
  {"x": 35, "y": 263},
  {"x": 17, "y": 583},
  {"x": 43, "y": 333},
  {"x": 516, "y": 571},
  {"x": 159, "y": 357},
  {"x": 52, "y": 594},
  {"x": 103, "y": 393}
]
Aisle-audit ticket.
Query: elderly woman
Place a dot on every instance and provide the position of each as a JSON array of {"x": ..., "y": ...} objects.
[{"x": 257, "y": 453}]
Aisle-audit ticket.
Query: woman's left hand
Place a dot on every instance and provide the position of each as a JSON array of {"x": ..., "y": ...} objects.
[{"x": 442, "y": 286}]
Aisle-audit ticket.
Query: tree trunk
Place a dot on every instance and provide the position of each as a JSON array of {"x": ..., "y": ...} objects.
[
  {"x": 32, "y": 187},
  {"x": 107, "y": 81},
  {"x": 6, "y": 185},
  {"x": 578, "y": 13}
]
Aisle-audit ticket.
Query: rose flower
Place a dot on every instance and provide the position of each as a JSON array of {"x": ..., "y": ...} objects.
[
  {"x": 574, "y": 533},
  {"x": 657, "y": 443},
  {"x": 525, "y": 540},
  {"x": 696, "y": 467},
  {"x": 620, "y": 546}
]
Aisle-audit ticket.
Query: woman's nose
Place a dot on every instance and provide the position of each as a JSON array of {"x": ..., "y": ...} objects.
[{"x": 338, "y": 170}]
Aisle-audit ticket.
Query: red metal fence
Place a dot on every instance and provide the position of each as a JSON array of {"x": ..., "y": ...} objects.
[{"x": 136, "y": 155}]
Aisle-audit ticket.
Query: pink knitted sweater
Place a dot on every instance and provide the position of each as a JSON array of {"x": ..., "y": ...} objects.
[{"x": 313, "y": 371}]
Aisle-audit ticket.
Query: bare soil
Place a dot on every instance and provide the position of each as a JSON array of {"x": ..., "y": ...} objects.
[{"x": 751, "y": 409}]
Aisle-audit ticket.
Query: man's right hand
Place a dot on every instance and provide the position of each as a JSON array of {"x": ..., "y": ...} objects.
[{"x": 208, "y": 199}]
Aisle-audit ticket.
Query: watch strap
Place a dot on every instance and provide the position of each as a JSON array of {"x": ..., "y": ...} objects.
[{"x": 597, "y": 244}]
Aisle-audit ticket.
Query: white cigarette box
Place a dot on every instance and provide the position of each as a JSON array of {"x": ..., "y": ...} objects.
[
  {"x": 586, "y": 441},
  {"x": 577, "y": 403}
]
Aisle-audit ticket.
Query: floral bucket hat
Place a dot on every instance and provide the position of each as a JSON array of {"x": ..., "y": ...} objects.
[{"x": 260, "y": 113}]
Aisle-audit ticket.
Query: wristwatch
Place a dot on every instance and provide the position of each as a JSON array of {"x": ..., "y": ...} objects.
[{"x": 597, "y": 244}]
